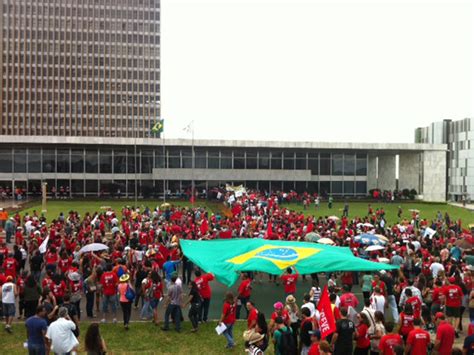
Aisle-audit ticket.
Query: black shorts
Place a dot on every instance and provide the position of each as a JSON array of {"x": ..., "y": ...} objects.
[{"x": 454, "y": 312}]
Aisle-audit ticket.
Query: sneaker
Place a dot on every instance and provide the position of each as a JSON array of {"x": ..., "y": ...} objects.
[
  {"x": 126, "y": 327},
  {"x": 114, "y": 320},
  {"x": 165, "y": 329},
  {"x": 103, "y": 320},
  {"x": 8, "y": 329}
]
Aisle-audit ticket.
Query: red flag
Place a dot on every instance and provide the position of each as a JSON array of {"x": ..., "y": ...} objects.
[
  {"x": 269, "y": 233},
  {"x": 204, "y": 226},
  {"x": 327, "y": 323}
]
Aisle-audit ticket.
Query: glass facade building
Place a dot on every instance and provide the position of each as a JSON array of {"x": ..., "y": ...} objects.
[
  {"x": 459, "y": 137},
  {"x": 88, "y": 68}
]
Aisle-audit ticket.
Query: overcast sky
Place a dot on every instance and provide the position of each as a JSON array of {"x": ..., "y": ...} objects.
[{"x": 313, "y": 70}]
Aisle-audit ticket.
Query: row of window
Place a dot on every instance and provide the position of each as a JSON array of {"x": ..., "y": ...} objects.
[
  {"x": 108, "y": 161},
  {"x": 150, "y": 188}
]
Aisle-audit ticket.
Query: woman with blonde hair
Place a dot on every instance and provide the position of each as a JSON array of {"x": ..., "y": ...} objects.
[{"x": 294, "y": 314}]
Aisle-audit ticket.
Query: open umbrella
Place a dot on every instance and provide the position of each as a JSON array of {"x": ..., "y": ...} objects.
[
  {"x": 384, "y": 260},
  {"x": 335, "y": 218},
  {"x": 369, "y": 239},
  {"x": 463, "y": 244},
  {"x": 369, "y": 225},
  {"x": 374, "y": 248},
  {"x": 326, "y": 241},
  {"x": 414, "y": 210},
  {"x": 165, "y": 205},
  {"x": 93, "y": 247},
  {"x": 382, "y": 237},
  {"x": 312, "y": 237}
]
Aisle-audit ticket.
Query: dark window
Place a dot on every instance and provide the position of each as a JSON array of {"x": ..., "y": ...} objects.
[
  {"x": 200, "y": 159},
  {"x": 251, "y": 160},
  {"x": 62, "y": 162},
  {"x": 289, "y": 161},
  {"x": 92, "y": 163},
  {"x": 276, "y": 160},
  {"x": 325, "y": 165},
  {"x": 336, "y": 187},
  {"x": 19, "y": 160},
  {"x": 105, "y": 161},
  {"x": 361, "y": 187},
  {"x": 301, "y": 161},
  {"x": 348, "y": 187},
  {"x": 131, "y": 164},
  {"x": 239, "y": 160},
  {"x": 337, "y": 164},
  {"x": 159, "y": 159},
  {"x": 325, "y": 187},
  {"x": 313, "y": 163},
  {"x": 147, "y": 161},
  {"x": 34, "y": 160},
  {"x": 264, "y": 160},
  {"x": 212, "y": 160},
  {"x": 349, "y": 164},
  {"x": 361, "y": 166},
  {"x": 49, "y": 160},
  {"x": 77, "y": 163},
  {"x": 120, "y": 162},
  {"x": 92, "y": 187}
]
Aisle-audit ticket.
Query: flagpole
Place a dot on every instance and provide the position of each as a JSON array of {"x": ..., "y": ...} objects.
[
  {"x": 164, "y": 167},
  {"x": 193, "y": 194}
]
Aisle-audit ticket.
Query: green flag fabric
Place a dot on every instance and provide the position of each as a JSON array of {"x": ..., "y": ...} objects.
[
  {"x": 225, "y": 258},
  {"x": 158, "y": 127}
]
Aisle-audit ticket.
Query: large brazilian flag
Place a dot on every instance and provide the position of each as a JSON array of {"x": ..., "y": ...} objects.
[{"x": 225, "y": 258}]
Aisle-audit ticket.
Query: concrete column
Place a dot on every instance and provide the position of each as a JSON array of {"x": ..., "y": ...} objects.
[
  {"x": 409, "y": 171},
  {"x": 386, "y": 170},
  {"x": 434, "y": 176},
  {"x": 372, "y": 173}
]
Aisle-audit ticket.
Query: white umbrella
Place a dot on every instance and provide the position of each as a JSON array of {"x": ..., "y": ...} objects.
[
  {"x": 374, "y": 248},
  {"x": 93, "y": 247},
  {"x": 384, "y": 260},
  {"x": 326, "y": 241},
  {"x": 380, "y": 236},
  {"x": 334, "y": 218},
  {"x": 366, "y": 224}
]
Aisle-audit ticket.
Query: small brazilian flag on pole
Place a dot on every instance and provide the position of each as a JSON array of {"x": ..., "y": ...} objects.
[{"x": 157, "y": 127}]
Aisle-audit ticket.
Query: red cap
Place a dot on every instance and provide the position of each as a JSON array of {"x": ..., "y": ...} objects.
[
  {"x": 452, "y": 279},
  {"x": 439, "y": 315}
]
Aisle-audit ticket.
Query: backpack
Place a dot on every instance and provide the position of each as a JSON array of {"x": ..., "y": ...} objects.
[
  {"x": 287, "y": 344},
  {"x": 120, "y": 271}
]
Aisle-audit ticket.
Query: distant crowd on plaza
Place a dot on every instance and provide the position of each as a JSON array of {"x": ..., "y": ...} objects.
[{"x": 46, "y": 279}]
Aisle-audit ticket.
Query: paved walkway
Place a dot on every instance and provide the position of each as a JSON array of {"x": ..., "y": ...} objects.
[{"x": 468, "y": 206}]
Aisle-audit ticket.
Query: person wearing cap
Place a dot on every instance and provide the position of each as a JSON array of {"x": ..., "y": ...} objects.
[
  {"x": 253, "y": 342},
  {"x": 8, "y": 293},
  {"x": 315, "y": 341},
  {"x": 445, "y": 335},
  {"x": 60, "y": 338},
  {"x": 279, "y": 311},
  {"x": 125, "y": 303},
  {"x": 453, "y": 300}
]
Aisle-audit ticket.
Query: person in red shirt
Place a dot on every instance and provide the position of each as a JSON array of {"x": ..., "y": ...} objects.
[
  {"x": 245, "y": 289},
  {"x": 362, "y": 335},
  {"x": 20, "y": 284},
  {"x": 407, "y": 320},
  {"x": 418, "y": 340},
  {"x": 109, "y": 281},
  {"x": 445, "y": 335},
  {"x": 51, "y": 259},
  {"x": 10, "y": 266},
  {"x": 348, "y": 299},
  {"x": 64, "y": 263},
  {"x": 155, "y": 285},
  {"x": 202, "y": 282},
  {"x": 415, "y": 303},
  {"x": 253, "y": 315},
  {"x": 390, "y": 341},
  {"x": 380, "y": 284},
  {"x": 228, "y": 318},
  {"x": 58, "y": 288},
  {"x": 279, "y": 311},
  {"x": 453, "y": 299},
  {"x": 315, "y": 339},
  {"x": 289, "y": 281}
]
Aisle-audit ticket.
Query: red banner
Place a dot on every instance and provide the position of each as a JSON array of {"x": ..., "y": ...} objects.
[
  {"x": 327, "y": 323},
  {"x": 204, "y": 227}
]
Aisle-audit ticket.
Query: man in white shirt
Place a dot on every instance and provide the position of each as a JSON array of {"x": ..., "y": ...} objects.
[
  {"x": 60, "y": 337},
  {"x": 436, "y": 267},
  {"x": 377, "y": 301},
  {"x": 309, "y": 305},
  {"x": 8, "y": 293}
]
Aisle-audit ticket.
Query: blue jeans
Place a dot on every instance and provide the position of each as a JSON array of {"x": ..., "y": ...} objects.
[
  {"x": 392, "y": 305},
  {"x": 228, "y": 333},
  {"x": 36, "y": 349},
  {"x": 173, "y": 310}
]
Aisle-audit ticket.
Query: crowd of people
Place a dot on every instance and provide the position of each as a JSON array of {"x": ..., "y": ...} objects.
[{"x": 45, "y": 278}]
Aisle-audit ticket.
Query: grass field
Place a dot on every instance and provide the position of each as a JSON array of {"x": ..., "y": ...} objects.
[
  {"x": 144, "y": 338},
  {"x": 427, "y": 210}
]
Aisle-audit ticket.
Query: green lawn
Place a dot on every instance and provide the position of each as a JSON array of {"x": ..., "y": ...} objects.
[
  {"x": 427, "y": 210},
  {"x": 145, "y": 338},
  {"x": 358, "y": 209}
]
